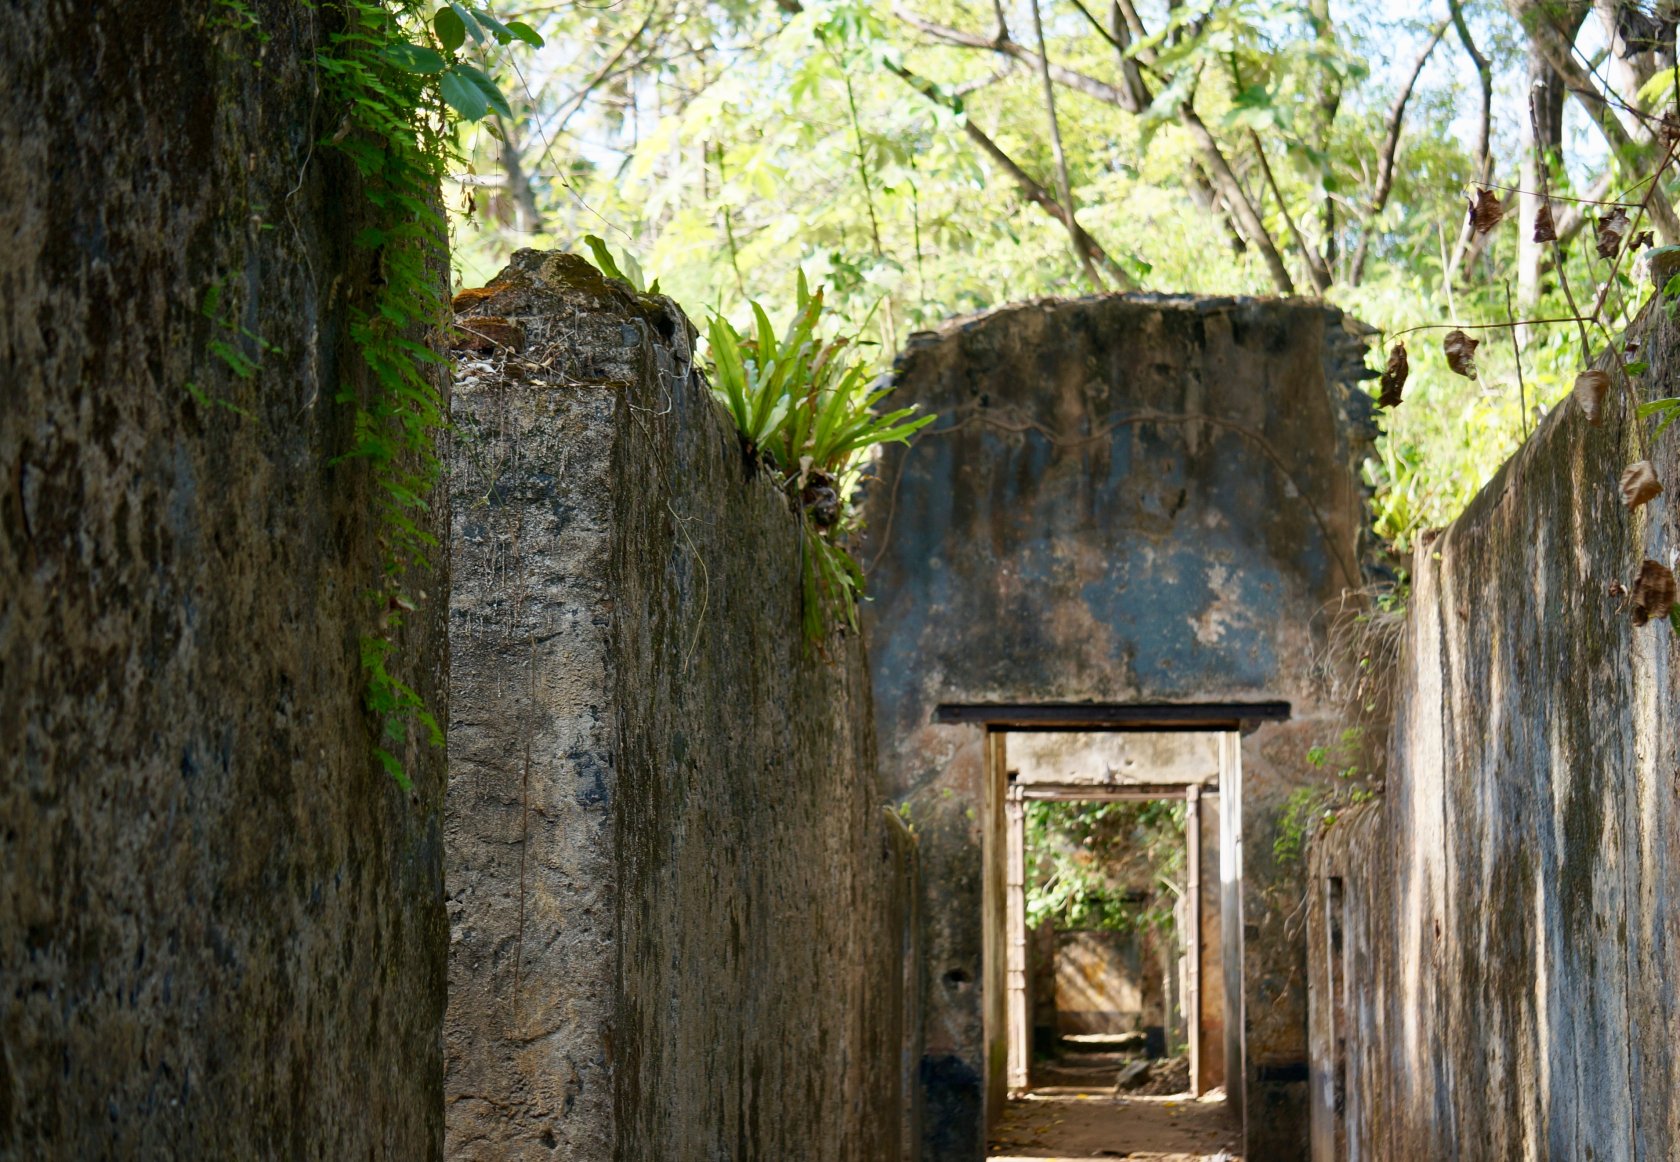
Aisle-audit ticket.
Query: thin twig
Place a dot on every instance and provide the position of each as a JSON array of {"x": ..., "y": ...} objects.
[
  {"x": 1516, "y": 353},
  {"x": 1064, "y": 186},
  {"x": 1485, "y": 326},
  {"x": 1562, "y": 198}
]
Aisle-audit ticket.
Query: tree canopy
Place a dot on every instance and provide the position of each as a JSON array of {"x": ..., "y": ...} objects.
[{"x": 927, "y": 158}]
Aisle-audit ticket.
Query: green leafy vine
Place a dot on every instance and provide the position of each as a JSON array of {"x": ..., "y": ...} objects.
[{"x": 397, "y": 84}]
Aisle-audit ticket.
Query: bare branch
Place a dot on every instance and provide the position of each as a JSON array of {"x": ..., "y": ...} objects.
[
  {"x": 1080, "y": 82},
  {"x": 1225, "y": 181},
  {"x": 1315, "y": 261},
  {"x": 1031, "y": 188},
  {"x": 1064, "y": 186},
  {"x": 1470, "y": 244},
  {"x": 1120, "y": 37},
  {"x": 1558, "y": 53},
  {"x": 1390, "y": 148}
]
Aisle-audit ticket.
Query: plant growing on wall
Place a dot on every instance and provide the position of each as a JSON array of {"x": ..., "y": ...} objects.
[
  {"x": 806, "y": 408},
  {"x": 396, "y": 84}
]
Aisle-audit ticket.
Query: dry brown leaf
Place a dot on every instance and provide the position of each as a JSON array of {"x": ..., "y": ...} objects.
[
  {"x": 1653, "y": 592},
  {"x": 1544, "y": 231},
  {"x": 1643, "y": 238},
  {"x": 1461, "y": 353},
  {"x": 1394, "y": 377},
  {"x": 1590, "y": 389},
  {"x": 1486, "y": 211},
  {"x": 486, "y": 334},
  {"x": 1611, "y": 229},
  {"x": 1640, "y": 484}
]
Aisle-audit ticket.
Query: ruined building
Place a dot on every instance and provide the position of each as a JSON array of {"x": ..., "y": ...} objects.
[{"x": 683, "y": 886}]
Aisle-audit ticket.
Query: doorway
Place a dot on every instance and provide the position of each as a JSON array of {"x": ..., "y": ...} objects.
[
  {"x": 1185, "y": 755},
  {"x": 1112, "y": 945}
]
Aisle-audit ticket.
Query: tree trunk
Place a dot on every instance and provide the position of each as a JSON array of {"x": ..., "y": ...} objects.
[
  {"x": 522, "y": 199},
  {"x": 1546, "y": 91}
]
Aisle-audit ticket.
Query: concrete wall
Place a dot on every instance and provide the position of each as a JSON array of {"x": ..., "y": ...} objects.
[
  {"x": 221, "y": 923},
  {"x": 1506, "y": 962},
  {"x": 1126, "y": 499},
  {"x": 1115, "y": 758},
  {"x": 679, "y": 911},
  {"x": 1107, "y": 982}
]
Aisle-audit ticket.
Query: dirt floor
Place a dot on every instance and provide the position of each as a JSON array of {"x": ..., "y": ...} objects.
[{"x": 1068, "y": 1123}]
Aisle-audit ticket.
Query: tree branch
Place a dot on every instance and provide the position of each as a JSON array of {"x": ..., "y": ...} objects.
[
  {"x": 1063, "y": 185},
  {"x": 1315, "y": 261},
  {"x": 1469, "y": 244},
  {"x": 1120, "y": 37},
  {"x": 1557, "y": 53},
  {"x": 1219, "y": 172},
  {"x": 1392, "y": 125},
  {"x": 1080, "y": 82},
  {"x": 1031, "y": 188}
]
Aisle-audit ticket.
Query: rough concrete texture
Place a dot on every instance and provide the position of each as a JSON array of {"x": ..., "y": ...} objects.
[
  {"x": 1507, "y": 924},
  {"x": 679, "y": 912},
  {"x": 1115, "y": 758},
  {"x": 221, "y": 923},
  {"x": 1125, "y": 499}
]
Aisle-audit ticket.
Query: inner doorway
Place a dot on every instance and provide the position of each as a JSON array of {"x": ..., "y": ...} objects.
[
  {"x": 1209, "y": 989},
  {"x": 1112, "y": 909}
]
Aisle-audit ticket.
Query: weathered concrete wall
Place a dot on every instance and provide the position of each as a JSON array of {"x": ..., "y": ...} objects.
[
  {"x": 1507, "y": 924},
  {"x": 1126, "y": 499},
  {"x": 1106, "y": 982},
  {"x": 221, "y": 923},
  {"x": 678, "y": 908},
  {"x": 1115, "y": 758}
]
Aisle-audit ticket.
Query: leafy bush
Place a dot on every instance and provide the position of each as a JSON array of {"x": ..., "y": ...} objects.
[
  {"x": 805, "y": 406},
  {"x": 1085, "y": 860}
]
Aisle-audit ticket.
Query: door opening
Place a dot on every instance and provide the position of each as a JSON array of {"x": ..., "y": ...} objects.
[
  {"x": 1176, "y": 772},
  {"x": 1110, "y": 945}
]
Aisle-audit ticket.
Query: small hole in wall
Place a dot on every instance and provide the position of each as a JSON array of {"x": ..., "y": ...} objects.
[
  {"x": 549, "y": 1140},
  {"x": 958, "y": 977}
]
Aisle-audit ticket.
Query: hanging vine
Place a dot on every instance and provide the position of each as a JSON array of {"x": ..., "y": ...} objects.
[{"x": 396, "y": 85}]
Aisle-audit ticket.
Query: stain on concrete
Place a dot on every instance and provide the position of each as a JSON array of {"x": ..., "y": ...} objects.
[
  {"x": 679, "y": 914},
  {"x": 1125, "y": 499}
]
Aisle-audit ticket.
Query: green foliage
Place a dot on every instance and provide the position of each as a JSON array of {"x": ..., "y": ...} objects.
[
  {"x": 1306, "y": 810},
  {"x": 631, "y": 271},
  {"x": 736, "y": 144},
  {"x": 392, "y": 100},
  {"x": 468, "y": 91},
  {"x": 1116, "y": 865},
  {"x": 805, "y": 407}
]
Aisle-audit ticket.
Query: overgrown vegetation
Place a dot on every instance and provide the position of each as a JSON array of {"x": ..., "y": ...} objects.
[
  {"x": 805, "y": 407},
  {"x": 929, "y": 158},
  {"x": 1116, "y": 866},
  {"x": 395, "y": 86}
]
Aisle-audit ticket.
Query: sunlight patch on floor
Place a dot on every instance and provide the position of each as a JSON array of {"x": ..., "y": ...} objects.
[{"x": 1083, "y": 1125}]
